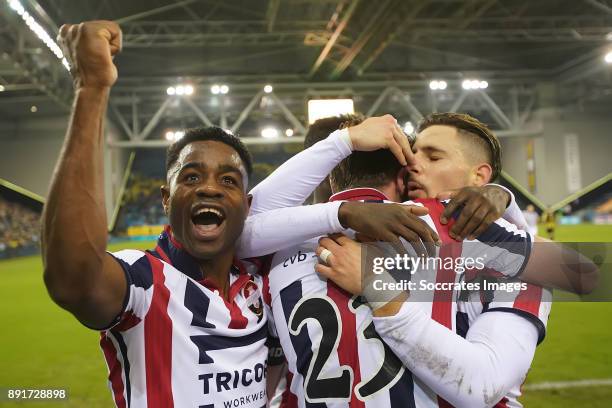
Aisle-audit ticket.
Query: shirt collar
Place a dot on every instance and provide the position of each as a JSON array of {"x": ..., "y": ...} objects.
[
  {"x": 356, "y": 194},
  {"x": 171, "y": 251}
]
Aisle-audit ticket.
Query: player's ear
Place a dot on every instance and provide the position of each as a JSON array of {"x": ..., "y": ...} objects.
[
  {"x": 481, "y": 174},
  {"x": 249, "y": 200},
  {"x": 401, "y": 181},
  {"x": 165, "y": 193}
]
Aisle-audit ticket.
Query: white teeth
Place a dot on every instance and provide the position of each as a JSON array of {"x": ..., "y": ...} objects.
[{"x": 211, "y": 210}]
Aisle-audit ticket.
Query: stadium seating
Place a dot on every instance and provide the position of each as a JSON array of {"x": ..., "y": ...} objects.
[
  {"x": 141, "y": 204},
  {"x": 19, "y": 229}
]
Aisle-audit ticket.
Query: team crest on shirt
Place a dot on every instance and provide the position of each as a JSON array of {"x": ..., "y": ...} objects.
[{"x": 252, "y": 294}]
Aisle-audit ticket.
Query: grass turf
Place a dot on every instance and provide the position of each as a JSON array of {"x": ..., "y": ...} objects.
[{"x": 43, "y": 346}]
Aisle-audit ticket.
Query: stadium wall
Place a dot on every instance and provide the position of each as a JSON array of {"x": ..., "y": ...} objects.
[
  {"x": 594, "y": 132},
  {"x": 30, "y": 149}
]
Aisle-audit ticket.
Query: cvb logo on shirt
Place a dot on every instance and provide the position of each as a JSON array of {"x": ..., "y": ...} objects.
[{"x": 296, "y": 258}]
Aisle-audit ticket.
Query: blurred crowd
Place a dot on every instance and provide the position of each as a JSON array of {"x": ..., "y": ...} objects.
[
  {"x": 19, "y": 228},
  {"x": 142, "y": 203}
]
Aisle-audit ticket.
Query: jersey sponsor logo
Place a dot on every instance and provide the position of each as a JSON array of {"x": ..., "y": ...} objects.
[
  {"x": 247, "y": 399},
  {"x": 252, "y": 294},
  {"x": 226, "y": 381},
  {"x": 296, "y": 258}
]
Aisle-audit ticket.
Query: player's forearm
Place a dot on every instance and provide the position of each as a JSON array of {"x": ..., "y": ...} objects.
[
  {"x": 291, "y": 183},
  {"x": 282, "y": 228},
  {"x": 74, "y": 230},
  {"x": 558, "y": 266},
  {"x": 473, "y": 372},
  {"x": 513, "y": 213}
]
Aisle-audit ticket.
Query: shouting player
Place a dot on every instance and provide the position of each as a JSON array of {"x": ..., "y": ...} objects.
[{"x": 183, "y": 324}]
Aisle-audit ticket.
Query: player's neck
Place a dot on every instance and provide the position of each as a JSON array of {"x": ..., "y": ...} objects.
[
  {"x": 390, "y": 191},
  {"x": 217, "y": 270}
]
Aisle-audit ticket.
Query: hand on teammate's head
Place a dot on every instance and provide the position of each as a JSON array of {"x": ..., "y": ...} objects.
[{"x": 382, "y": 132}]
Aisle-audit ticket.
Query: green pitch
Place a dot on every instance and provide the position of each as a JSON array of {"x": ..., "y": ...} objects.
[{"x": 42, "y": 346}]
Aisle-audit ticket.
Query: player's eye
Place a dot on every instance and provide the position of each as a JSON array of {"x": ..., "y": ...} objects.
[
  {"x": 191, "y": 178},
  {"x": 228, "y": 180}
]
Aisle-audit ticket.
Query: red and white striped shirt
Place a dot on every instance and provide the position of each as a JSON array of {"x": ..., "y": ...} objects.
[
  {"x": 178, "y": 343},
  {"x": 335, "y": 356}
]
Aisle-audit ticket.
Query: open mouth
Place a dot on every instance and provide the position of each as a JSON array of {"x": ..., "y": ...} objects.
[{"x": 208, "y": 222}]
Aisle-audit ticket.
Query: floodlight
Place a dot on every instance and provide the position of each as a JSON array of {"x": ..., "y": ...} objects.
[
  {"x": 39, "y": 31},
  {"x": 269, "y": 133},
  {"x": 323, "y": 108}
]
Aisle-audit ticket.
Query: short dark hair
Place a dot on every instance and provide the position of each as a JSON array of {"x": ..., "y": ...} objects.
[
  {"x": 365, "y": 169},
  {"x": 469, "y": 126},
  {"x": 209, "y": 133},
  {"x": 322, "y": 128}
]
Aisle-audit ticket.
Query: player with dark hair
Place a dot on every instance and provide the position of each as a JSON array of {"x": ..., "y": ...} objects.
[
  {"x": 319, "y": 131},
  {"x": 335, "y": 356},
  {"x": 481, "y": 144},
  {"x": 489, "y": 202},
  {"x": 293, "y": 285},
  {"x": 484, "y": 339},
  {"x": 445, "y": 143},
  {"x": 184, "y": 324},
  {"x": 321, "y": 128},
  {"x": 209, "y": 133}
]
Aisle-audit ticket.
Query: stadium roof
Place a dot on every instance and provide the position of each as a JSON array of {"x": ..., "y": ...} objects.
[{"x": 359, "y": 49}]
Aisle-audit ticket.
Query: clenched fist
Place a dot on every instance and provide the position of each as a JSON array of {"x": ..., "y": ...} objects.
[{"x": 90, "y": 48}]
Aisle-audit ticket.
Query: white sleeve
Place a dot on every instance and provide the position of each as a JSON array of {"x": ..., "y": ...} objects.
[
  {"x": 513, "y": 213},
  {"x": 502, "y": 248},
  {"x": 140, "y": 287},
  {"x": 473, "y": 372},
  {"x": 291, "y": 183},
  {"x": 282, "y": 228}
]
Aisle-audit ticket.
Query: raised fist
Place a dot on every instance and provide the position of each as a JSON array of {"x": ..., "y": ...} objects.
[
  {"x": 90, "y": 48},
  {"x": 382, "y": 132}
]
